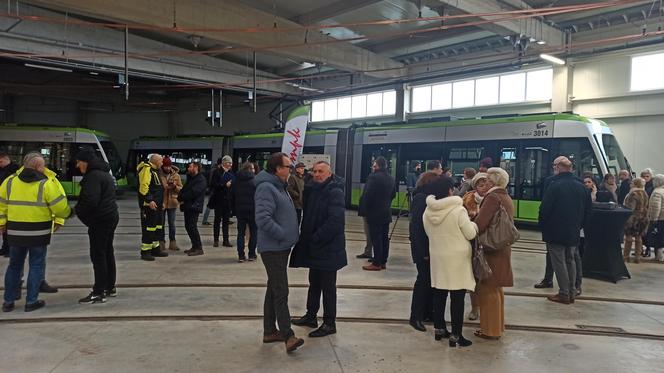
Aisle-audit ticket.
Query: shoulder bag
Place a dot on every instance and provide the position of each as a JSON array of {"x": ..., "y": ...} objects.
[
  {"x": 500, "y": 233},
  {"x": 481, "y": 269}
]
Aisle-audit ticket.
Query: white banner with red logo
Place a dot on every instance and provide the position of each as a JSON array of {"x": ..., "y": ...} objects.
[{"x": 296, "y": 128}]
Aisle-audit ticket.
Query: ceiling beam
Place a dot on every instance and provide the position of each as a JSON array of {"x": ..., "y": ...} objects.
[
  {"x": 529, "y": 27},
  {"x": 331, "y": 10},
  {"x": 210, "y": 14}
]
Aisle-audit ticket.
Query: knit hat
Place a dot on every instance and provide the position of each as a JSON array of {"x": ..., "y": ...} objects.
[
  {"x": 86, "y": 155},
  {"x": 166, "y": 162},
  {"x": 227, "y": 158},
  {"x": 300, "y": 164}
]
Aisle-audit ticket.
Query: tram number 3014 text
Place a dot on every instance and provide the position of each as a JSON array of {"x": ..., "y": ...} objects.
[{"x": 540, "y": 133}]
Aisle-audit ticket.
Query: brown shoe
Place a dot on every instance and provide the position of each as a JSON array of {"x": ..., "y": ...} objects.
[
  {"x": 196, "y": 252},
  {"x": 274, "y": 337},
  {"x": 292, "y": 343},
  {"x": 559, "y": 299},
  {"x": 372, "y": 267}
]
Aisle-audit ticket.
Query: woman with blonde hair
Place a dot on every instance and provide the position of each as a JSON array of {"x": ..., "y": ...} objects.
[
  {"x": 490, "y": 295},
  {"x": 471, "y": 201},
  {"x": 637, "y": 224},
  {"x": 656, "y": 215}
]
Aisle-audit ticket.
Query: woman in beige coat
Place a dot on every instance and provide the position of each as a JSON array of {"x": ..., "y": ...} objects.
[
  {"x": 490, "y": 295},
  {"x": 637, "y": 224},
  {"x": 449, "y": 229},
  {"x": 656, "y": 214}
]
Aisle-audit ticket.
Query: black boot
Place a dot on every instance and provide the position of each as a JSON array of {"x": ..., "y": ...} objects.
[
  {"x": 147, "y": 256},
  {"x": 459, "y": 340},
  {"x": 417, "y": 325},
  {"x": 306, "y": 320},
  {"x": 158, "y": 253},
  {"x": 44, "y": 287},
  {"x": 227, "y": 243}
]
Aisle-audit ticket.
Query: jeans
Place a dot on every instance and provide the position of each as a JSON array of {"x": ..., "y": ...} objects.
[
  {"x": 422, "y": 302},
  {"x": 221, "y": 217},
  {"x": 381, "y": 242},
  {"x": 102, "y": 255},
  {"x": 242, "y": 223},
  {"x": 171, "y": 225},
  {"x": 275, "y": 307},
  {"x": 563, "y": 262},
  {"x": 37, "y": 260},
  {"x": 325, "y": 282},
  {"x": 456, "y": 309},
  {"x": 206, "y": 215},
  {"x": 191, "y": 226}
]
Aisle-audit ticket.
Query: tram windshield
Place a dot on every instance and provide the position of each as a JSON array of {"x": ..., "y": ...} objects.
[
  {"x": 615, "y": 157},
  {"x": 114, "y": 159}
]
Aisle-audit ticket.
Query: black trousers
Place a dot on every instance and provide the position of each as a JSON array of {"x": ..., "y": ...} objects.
[
  {"x": 191, "y": 226},
  {"x": 152, "y": 228},
  {"x": 5, "y": 244},
  {"x": 298, "y": 212},
  {"x": 325, "y": 282},
  {"x": 102, "y": 255},
  {"x": 222, "y": 215},
  {"x": 456, "y": 309},
  {"x": 381, "y": 242},
  {"x": 275, "y": 307},
  {"x": 421, "y": 306}
]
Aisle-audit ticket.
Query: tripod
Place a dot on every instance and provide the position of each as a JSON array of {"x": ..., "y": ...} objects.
[{"x": 401, "y": 209}]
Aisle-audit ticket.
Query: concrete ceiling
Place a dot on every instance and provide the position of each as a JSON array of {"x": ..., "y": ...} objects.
[{"x": 305, "y": 58}]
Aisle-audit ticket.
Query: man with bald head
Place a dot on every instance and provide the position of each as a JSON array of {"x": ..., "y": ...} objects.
[
  {"x": 33, "y": 205},
  {"x": 322, "y": 246},
  {"x": 565, "y": 208},
  {"x": 150, "y": 200}
]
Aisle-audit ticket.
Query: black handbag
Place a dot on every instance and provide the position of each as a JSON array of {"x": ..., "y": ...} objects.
[
  {"x": 655, "y": 235},
  {"x": 481, "y": 269}
]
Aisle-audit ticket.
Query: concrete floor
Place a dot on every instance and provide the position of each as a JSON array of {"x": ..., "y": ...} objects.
[{"x": 202, "y": 314}]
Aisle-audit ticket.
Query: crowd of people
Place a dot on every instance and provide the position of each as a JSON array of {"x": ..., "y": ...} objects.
[{"x": 297, "y": 219}]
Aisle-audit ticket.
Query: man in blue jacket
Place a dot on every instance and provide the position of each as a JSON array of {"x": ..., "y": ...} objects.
[
  {"x": 322, "y": 246},
  {"x": 277, "y": 233}
]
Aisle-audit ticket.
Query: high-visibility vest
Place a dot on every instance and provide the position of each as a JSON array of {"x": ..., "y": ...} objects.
[
  {"x": 149, "y": 185},
  {"x": 29, "y": 209}
]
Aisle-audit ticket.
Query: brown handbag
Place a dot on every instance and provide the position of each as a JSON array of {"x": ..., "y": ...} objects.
[
  {"x": 500, "y": 233},
  {"x": 481, "y": 269}
]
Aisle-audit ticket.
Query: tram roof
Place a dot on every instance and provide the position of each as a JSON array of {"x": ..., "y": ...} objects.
[{"x": 41, "y": 127}]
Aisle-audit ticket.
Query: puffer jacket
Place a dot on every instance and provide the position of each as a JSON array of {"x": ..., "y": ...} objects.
[
  {"x": 96, "y": 202},
  {"x": 275, "y": 214},
  {"x": 242, "y": 192},
  {"x": 322, "y": 243},
  {"x": 656, "y": 204},
  {"x": 171, "y": 195}
]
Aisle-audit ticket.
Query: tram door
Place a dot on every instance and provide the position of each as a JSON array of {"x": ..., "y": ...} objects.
[{"x": 533, "y": 167}]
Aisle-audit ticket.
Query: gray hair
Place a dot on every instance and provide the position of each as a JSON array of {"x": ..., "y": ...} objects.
[
  {"x": 658, "y": 180},
  {"x": 33, "y": 160},
  {"x": 646, "y": 171},
  {"x": 498, "y": 177}
]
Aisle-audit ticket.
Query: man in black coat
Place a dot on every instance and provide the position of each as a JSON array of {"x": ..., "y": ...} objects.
[
  {"x": 222, "y": 180},
  {"x": 7, "y": 168},
  {"x": 565, "y": 208},
  {"x": 322, "y": 246},
  {"x": 375, "y": 205},
  {"x": 96, "y": 208},
  {"x": 625, "y": 184},
  {"x": 192, "y": 199},
  {"x": 242, "y": 194}
]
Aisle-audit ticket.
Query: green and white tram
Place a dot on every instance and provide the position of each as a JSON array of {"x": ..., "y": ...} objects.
[
  {"x": 525, "y": 146},
  {"x": 59, "y": 146}
]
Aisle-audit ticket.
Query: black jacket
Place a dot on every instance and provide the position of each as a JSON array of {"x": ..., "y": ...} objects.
[
  {"x": 221, "y": 194},
  {"x": 376, "y": 199},
  {"x": 419, "y": 241},
  {"x": 7, "y": 171},
  {"x": 96, "y": 202},
  {"x": 242, "y": 192},
  {"x": 565, "y": 208},
  {"x": 649, "y": 187},
  {"x": 192, "y": 194},
  {"x": 623, "y": 190},
  {"x": 322, "y": 243}
]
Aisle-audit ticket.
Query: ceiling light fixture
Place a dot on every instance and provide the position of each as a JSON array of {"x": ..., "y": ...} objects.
[
  {"x": 49, "y": 68},
  {"x": 541, "y": 42},
  {"x": 552, "y": 59}
]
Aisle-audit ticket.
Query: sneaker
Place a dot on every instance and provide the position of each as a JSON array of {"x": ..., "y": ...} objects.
[
  {"x": 544, "y": 284},
  {"x": 111, "y": 293},
  {"x": 241, "y": 260},
  {"x": 34, "y": 306},
  {"x": 92, "y": 299}
]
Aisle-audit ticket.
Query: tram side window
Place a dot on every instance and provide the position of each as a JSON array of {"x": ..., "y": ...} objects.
[
  {"x": 616, "y": 158},
  {"x": 371, "y": 152},
  {"x": 508, "y": 162},
  {"x": 534, "y": 166},
  {"x": 581, "y": 154},
  {"x": 421, "y": 153},
  {"x": 56, "y": 155},
  {"x": 461, "y": 157}
]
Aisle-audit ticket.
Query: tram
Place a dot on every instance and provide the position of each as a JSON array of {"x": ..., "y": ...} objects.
[{"x": 59, "y": 146}]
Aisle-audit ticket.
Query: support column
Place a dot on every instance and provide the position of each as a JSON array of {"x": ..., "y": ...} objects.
[{"x": 561, "y": 99}]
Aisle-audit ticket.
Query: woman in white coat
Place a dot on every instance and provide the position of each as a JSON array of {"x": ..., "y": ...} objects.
[{"x": 449, "y": 230}]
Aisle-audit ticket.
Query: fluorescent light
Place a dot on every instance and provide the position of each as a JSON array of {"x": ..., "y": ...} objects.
[
  {"x": 541, "y": 42},
  {"x": 552, "y": 59},
  {"x": 48, "y": 68}
]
